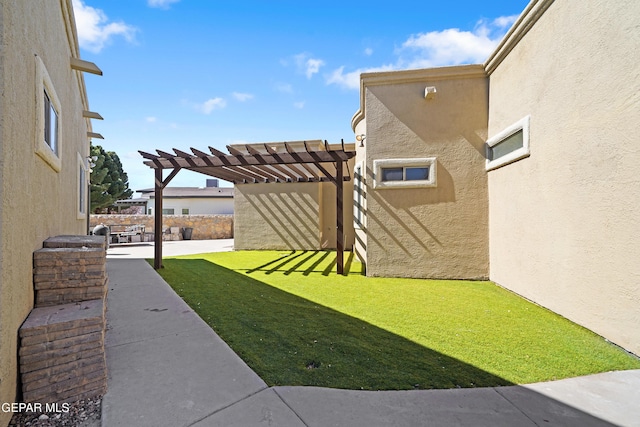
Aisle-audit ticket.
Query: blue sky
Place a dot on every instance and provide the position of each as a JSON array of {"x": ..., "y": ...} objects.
[{"x": 199, "y": 73}]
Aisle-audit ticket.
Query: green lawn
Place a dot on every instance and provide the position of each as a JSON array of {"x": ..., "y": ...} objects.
[{"x": 295, "y": 322}]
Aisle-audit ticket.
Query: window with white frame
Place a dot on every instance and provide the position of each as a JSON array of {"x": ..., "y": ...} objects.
[
  {"x": 404, "y": 173},
  {"x": 168, "y": 211},
  {"x": 358, "y": 195},
  {"x": 82, "y": 188},
  {"x": 48, "y": 111},
  {"x": 509, "y": 145},
  {"x": 185, "y": 211}
]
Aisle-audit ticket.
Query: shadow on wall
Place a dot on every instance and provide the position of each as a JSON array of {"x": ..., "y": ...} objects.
[
  {"x": 289, "y": 340},
  {"x": 396, "y": 204},
  {"x": 291, "y": 219}
]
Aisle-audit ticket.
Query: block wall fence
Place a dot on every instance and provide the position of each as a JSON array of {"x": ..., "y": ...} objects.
[{"x": 205, "y": 227}]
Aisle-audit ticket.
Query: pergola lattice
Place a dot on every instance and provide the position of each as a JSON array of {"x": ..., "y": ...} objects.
[{"x": 253, "y": 164}]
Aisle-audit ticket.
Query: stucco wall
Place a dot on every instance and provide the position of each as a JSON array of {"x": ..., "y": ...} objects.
[
  {"x": 37, "y": 202},
  {"x": 564, "y": 223},
  {"x": 436, "y": 232},
  {"x": 205, "y": 227},
  {"x": 277, "y": 216}
]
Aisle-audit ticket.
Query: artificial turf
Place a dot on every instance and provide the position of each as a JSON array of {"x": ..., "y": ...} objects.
[{"x": 296, "y": 322}]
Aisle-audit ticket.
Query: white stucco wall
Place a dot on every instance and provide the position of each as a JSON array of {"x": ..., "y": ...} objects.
[
  {"x": 198, "y": 206},
  {"x": 564, "y": 222}
]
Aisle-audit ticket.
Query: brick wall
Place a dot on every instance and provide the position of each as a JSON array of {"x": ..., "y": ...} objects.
[{"x": 205, "y": 227}]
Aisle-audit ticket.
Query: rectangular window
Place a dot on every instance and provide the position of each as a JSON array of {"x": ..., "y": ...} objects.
[
  {"x": 405, "y": 173},
  {"x": 169, "y": 211},
  {"x": 508, "y": 146},
  {"x": 48, "y": 119},
  {"x": 82, "y": 188},
  {"x": 50, "y": 124},
  {"x": 185, "y": 211}
]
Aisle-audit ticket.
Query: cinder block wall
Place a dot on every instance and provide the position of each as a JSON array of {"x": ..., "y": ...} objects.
[{"x": 205, "y": 227}]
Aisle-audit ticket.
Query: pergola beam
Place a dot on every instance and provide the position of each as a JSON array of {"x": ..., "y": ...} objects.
[{"x": 254, "y": 166}]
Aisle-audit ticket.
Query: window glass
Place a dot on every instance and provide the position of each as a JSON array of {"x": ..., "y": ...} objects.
[
  {"x": 507, "y": 145},
  {"x": 169, "y": 211},
  {"x": 50, "y": 124},
  {"x": 185, "y": 211},
  {"x": 82, "y": 190},
  {"x": 392, "y": 174},
  {"x": 416, "y": 174}
]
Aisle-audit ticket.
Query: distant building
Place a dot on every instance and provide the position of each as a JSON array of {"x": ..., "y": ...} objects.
[{"x": 211, "y": 199}]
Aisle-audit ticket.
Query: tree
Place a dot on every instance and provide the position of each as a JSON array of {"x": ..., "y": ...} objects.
[{"x": 109, "y": 182}]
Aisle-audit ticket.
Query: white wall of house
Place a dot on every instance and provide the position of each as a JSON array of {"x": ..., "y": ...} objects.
[{"x": 197, "y": 206}]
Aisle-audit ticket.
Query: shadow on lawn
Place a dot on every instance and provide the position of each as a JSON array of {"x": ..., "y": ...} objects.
[
  {"x": 289, "y": 340},
  {"x": 283, "y": 263}
]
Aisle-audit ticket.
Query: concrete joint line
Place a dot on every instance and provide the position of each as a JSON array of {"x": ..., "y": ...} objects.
[
  {"x": 228, "y": 406},
  {"x": 289, "y": 406},
  {"x": 157, "y": 337},
  {"x": 514, "y": 405}
]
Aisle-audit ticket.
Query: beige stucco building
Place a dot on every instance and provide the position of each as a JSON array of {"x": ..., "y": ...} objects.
[
  {"x": 564, "y": 222},
  {"x": 44, "y": 144},
  {"x": 522, "y": 169},
  {"x": 421, "y": 200}
]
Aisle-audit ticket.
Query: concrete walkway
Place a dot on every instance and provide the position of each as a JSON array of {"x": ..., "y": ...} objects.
[{"x": 168, "y": 368}]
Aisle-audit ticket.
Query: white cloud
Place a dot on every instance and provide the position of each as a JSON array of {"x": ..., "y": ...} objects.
[
  {"x": 151, "y": 119},
  {"x": 212, "y": 104},
  {"x": 307, "y": 65},
  {"x": 299, "y": 105},
  {"x": 453, "y": 46},
  {"x": 351, "y": 80},
  {"x": 162, "y": 4},
  {"x": 436, "y": 48},
  {"x": 505, "y": 22},
  {"x": 242, "y": 97},
  {"x": 368, "y": 51},
  {"x": 284, "y": 87},
  {"x": 94, "y": 29}
]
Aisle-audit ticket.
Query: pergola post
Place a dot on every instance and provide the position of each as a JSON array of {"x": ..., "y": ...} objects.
[
  {"x": 157, "y": 227},
  {"x": 339, "y": 219}
]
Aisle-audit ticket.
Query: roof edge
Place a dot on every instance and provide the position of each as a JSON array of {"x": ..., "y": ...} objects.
[{"x": 527, "y": 19}]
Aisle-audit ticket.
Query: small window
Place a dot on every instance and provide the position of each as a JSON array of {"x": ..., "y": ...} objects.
[
  {"x": 405, "y": 173},
  {"x": 169, "y": 211},
  {"x": 150, "y": 212},
  {"x": 510, "y": 145},
  {"x": 82, "y": 188},
  {"x": 358, "y": 195},
  {"x": 50, "y": 124},
  {"x": 48, "y": 121},
  {"x": 185, "y": 211}
]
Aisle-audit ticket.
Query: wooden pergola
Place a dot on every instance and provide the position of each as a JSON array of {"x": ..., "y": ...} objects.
[{"x": 311, "y": 161}]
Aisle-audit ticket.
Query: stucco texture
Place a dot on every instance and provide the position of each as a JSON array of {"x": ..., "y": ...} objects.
[
  {"x": 438, "y": 232},
  {"x": 293, "y": 216},
  {"x": 37, "y": 201},
  {"x": 564, "y": 222}
]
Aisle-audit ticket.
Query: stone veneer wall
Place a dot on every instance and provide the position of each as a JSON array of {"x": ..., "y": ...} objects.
[
  {"x": 205, "y": 227},
  {"x": 61, "y": 354}
]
